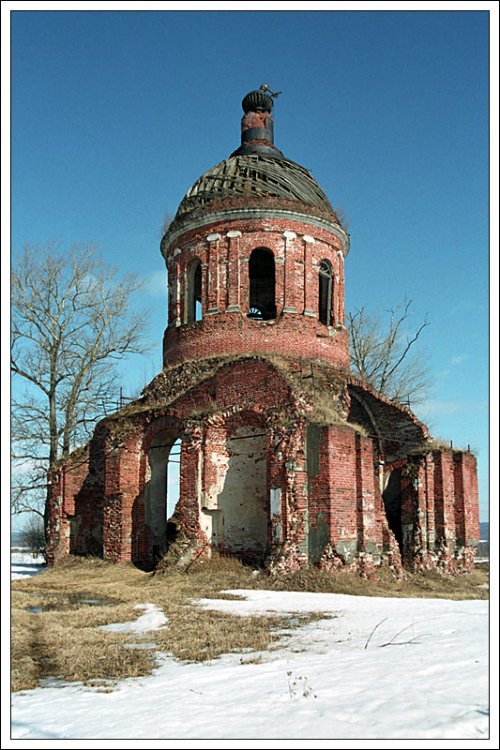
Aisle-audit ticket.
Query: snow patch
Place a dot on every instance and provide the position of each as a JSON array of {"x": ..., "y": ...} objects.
[
  {"x": 24, "y": 564},
  {"x": 152, "y": 619}
]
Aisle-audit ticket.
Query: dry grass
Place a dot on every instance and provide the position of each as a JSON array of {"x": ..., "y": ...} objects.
[
  {"x": 62, "y": 641},
  {"x": 438, "y": 444},
  {"x": 417, "y": 585}
]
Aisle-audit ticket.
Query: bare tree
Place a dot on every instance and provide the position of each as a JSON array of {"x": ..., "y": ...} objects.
[
  {"x": 71, "y": 323},
  {"x": 341, "y": 215},
  {"x": 33, "y": 536},
  {"x": 383, "y": 353}
]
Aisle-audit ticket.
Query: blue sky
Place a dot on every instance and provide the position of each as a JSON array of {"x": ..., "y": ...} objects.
[{"x": 115, "y": 114}]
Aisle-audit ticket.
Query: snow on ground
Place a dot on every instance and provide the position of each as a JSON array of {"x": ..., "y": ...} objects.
[
  {"x": 379, "y": 669},
  {"x": 152, "y": 619},
  {"x": 24, "y": 564}
]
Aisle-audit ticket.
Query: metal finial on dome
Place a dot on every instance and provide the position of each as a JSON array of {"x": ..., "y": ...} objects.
[{"x": 261, "y": 100}]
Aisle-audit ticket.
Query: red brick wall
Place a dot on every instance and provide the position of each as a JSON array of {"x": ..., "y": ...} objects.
[
  {"x": 298, "y": 249},
  {"x": 66, "y": 484},
  {"x": 121, "y": 489},
  {"x": 325, "y": 477},
  {"x": 466, "y": 499},
  {"x": 343, "y": 491},
  {"x": 444, "y": 494}
]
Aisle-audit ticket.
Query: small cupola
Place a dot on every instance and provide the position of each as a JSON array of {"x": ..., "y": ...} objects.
[{"x": 257, "y": 126}]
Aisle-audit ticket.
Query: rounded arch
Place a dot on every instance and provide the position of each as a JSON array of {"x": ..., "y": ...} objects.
[
  {"x": 262, "y": 284},
  {"x": 325, "y": 299}
]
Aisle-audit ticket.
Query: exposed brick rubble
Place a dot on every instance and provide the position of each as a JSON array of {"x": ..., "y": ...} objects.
[{"x": 285, "y": 459}]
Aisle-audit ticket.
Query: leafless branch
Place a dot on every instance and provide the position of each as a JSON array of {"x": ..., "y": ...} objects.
[
  {"x": 71, "y": 322},
  {"x": 384, "y": 354}
]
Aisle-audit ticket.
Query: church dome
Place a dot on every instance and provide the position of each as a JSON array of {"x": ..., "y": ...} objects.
[{"x": 256, "y": 174}]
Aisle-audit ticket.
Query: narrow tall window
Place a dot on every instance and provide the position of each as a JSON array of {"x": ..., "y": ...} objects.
[
  {"x": 194, "y": 309},
  {"x": 325, "y": 306},
  {"x": 262, "y": 303}
]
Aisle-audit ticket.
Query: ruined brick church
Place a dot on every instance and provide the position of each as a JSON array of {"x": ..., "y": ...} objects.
[{"x": 285, "y": 458}]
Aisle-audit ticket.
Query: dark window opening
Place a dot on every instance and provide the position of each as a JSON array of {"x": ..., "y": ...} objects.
[
  {"x": 194, "y": 308},
  {"x": 325, "y": 293},
  {"x": 392, "y": 504},
  {"x": 262, "y": 303}
]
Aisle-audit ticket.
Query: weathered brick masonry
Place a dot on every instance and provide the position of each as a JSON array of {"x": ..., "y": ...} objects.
[{"x": 284, "y": 457}]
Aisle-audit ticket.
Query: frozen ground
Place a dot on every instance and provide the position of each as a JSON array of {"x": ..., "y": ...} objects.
[{"x": 379, "y": 669}]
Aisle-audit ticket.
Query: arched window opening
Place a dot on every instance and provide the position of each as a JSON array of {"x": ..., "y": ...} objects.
[
  {"x": 262, "y": 303},
  {"x": 325, "y": 306},
  {"x": 194, "y": 308}
]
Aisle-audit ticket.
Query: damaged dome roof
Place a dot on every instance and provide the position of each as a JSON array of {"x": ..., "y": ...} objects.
[
  {"x": 254, "y": 175},
  {"x": 257, "y": 174}
]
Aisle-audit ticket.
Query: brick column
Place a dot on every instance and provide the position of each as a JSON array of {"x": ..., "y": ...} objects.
[
  {"x": 458, "y": 506},
  {"x": 296, "y": 500},
  {"x": 177, "y": 287},
  {"x": 213, "y": 273},
  {"x": 343, "y": 531},
  {"x": 430, "y": 511},
  {"x": 339, "y": 292},
  {"x": 112, "y": 505},
  {"x": 184, "y": 293},
  {"x": 58, "y": 545},
  {"x": 121, "y": 489},
  {"x": 289, "y": 284},
  {"x": 244, "y": 290},
  {"x": 188, "y": 506},
  {"x": 279, "y": 268},
  {"x": 466, "y": 499},
  {"x": 365, "y": 491},
  {"x": 214, "y": 467},
  {"x": 204, "y": 287},
  {"x": 277, "y": 491},
  {"x": 233, "y": 271},
  {"x": 444, "y": 496},
  {"x": 310, "y": 288}
]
